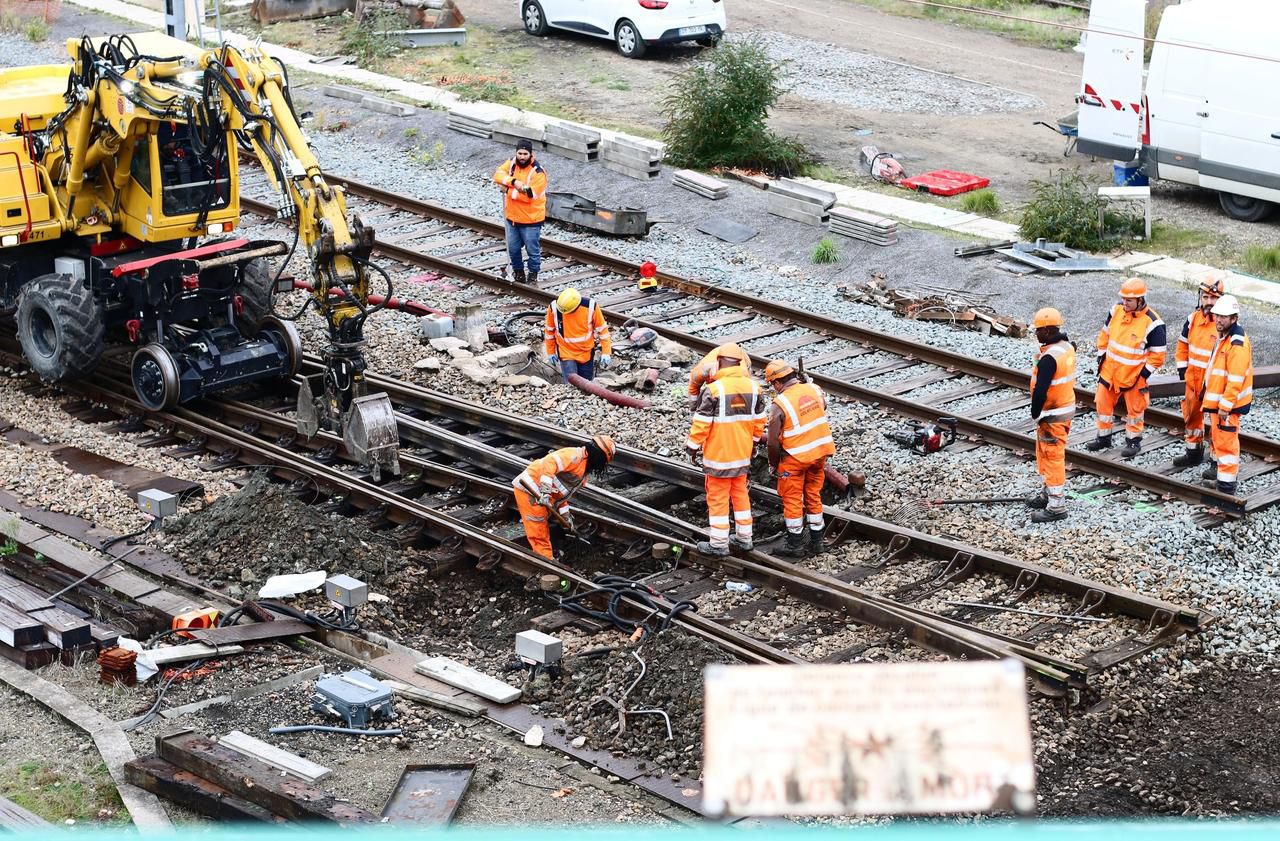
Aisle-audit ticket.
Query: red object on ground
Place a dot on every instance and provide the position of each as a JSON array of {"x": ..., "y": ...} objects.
[
  {"x": 592, "y": 387},
  {"x": 945, "y": 182},
  {"x": 411, "y": 307}
]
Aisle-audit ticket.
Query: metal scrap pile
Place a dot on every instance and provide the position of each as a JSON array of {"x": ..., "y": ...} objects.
[{"x": 926, "y": 302}]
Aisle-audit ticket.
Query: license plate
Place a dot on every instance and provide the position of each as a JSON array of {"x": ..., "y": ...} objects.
[{"x": 693, "y": 30}]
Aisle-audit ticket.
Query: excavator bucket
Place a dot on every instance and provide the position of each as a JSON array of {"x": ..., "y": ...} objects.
[
  {"x": 307, "y": 418},
  {"x": 371, "y": 434}
]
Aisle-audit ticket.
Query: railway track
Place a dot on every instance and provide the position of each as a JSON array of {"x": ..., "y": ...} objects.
[
  {"x": 851, "y": 361},
  {"x": 898, "y": 598}
]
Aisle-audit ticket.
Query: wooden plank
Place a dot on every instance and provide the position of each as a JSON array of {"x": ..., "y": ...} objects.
[
  {"x": 167, "y": 780},
  {"x": 18, "y": 629},
  {"x": 256, "y": 781},
  {"x": 61, "y": 628},
  {"x": 167, "y": 604},
  {"x": 464, "y": 677},
  {"x": 18, "y": 819},
  {"x": 290, "y": 763},
  {"x": 191, "y": 651},
  {"x": 253, "y": 632},
  {"x": 20, "y": 596},
  {"x": 435, "y": 699}
]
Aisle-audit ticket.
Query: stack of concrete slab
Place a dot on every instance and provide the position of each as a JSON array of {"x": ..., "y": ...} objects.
[
  {"x": 800, "y": 202},
  {"x": 512, "y": 133},
  {"x": 472, "y": 121},
  {"x": 569, "y": 140},
  {"x": 636, "y": 158},
  {"x": 703, "y": 185},
  {"x": 864, "y": 226}
]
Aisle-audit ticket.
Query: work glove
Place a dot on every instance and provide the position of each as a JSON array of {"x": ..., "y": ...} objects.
[
  {"x": 1182, "y": 374},
  {"x": 692, "y": 402},
  {"x": 553, "y": 360},
  {"x": 693, "y": 453},
  {"x": 606, "y": 360},
  {"x": 528, "y": 191}
]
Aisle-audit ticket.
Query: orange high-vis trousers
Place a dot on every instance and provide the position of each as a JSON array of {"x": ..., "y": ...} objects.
[
  {"x": 1136, "y": 401},
  {"x": 725, "y": 496},
  {"x": 1051, "y": 460},
  {"x": 1224, "y": 443},
  {"x": 534, "y": 517},
  {"x": 1193, "y": 412},
  {"x": 800, "y": 486}
]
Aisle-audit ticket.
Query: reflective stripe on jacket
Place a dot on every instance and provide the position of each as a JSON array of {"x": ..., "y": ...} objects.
[
  {"x": 806, "y": 432},
  {"x": 1195, "y": 346},
  {"x": 555, "y": 475},
  {"x": 574, "y": 335},
  {"x": 1060, "y": 399},
  {"x": 705, "y": 371},
  {"x": 1229, "y": 387},
  {"x": 1134, "y": 345},
  {"x": 519, "y": 207},
  {"x": 728, "y": 422}
]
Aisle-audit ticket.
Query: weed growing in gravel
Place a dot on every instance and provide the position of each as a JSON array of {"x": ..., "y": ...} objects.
[
  {"x": 1261, "y": 260},
  {"x": 411, "y": 132},
  {"x": 488, "y": 91},
  {"x": 428, "y": 157},
  {"x": 825, "y": 251},
  {"x": 981, "y": 202},
  {"x": 1065, "y": 210},
  {"x": 717, "y": 110},
  {"x": 367, "y": 39}
]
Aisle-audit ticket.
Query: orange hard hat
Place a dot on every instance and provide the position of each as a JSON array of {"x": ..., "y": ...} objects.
[
  {"x": 777, "y": 369},
  {"x": 606, "y": 445},
  {"x": 1134, "y": 287},
  {"x": 1214, "y": 283},
  {"x": 1048, "y": 317}
]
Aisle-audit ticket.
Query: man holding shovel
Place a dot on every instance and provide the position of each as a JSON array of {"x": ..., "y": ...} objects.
[{"x": 544, "y": 487}]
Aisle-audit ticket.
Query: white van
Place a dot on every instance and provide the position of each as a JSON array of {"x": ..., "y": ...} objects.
[{"x": 1210, "y": 114}]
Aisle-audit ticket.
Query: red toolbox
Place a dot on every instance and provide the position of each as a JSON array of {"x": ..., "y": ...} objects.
[{"x": 945, "y": 182}]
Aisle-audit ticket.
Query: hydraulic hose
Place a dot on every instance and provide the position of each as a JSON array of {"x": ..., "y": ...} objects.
[{"x": 325, "y": 728}]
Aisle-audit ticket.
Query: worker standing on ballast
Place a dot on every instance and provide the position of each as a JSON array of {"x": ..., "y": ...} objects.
[
  {"x": 1228, "y": 395},
  {"x": 574, "y": 327},
  {"x": 524, "y": 191},
  {"x": 1053, "y": 404},
  {"x": 1195, "y": 349},
  {"x": 705, "y": 371},
  {"x": 1131, "y": 347},
  {"x": 727, "y": 424},
  {"x": 547, "y": 483},
  {"x": 799, "y": 443}
]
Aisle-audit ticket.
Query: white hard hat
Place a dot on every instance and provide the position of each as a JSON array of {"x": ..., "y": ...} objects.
[{"x": 1226, "y": 305}]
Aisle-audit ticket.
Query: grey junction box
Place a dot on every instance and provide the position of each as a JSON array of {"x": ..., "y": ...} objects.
[
  {"x": 539, "y": 648},
  {"x": 158, "y": 503},
  {"x": 356, "y": 697}
]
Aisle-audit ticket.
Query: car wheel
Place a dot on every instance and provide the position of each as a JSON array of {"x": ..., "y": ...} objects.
[
  {"x": 1245, "y": 208},
  {"x": 535, "y": 20},
  {"x": 628, "y": 39}
]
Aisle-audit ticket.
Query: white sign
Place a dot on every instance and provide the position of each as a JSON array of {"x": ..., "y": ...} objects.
[
  {"x": 867, "y": 738},
  {"x": 1111, "y": 87}
]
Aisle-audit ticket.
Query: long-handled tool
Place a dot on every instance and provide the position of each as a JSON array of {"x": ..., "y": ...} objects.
[{"x": 909, "y": 512}]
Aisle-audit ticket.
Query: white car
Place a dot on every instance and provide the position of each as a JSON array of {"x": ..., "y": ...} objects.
[{"x": 634, "y": 25}]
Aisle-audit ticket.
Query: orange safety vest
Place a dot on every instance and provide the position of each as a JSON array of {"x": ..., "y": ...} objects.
[
  {"x": 1229, "y": 387},
  {"x": 1131, "y": 343},
  {"x": 520, "y": 208},
  {"x": 806, "y": 432},
  {"x": 1195, "y": 346},
  {"x": 705, "y": 371},
  {"x": 728, "y": 422},
  {"x": 573, "y": 335},
  {"x": 555, "y": 475},
  {"x": 1060, "y": 402}
]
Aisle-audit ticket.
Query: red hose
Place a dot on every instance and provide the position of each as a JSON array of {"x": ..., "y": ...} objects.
[
  {"x": 413, "y": 307},
  {"x": 591, "y": 387}
]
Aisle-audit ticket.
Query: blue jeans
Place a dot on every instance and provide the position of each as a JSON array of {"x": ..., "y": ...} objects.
[
  {"x": 528, "y": 237},
  {"x": 586, "y": 370}
]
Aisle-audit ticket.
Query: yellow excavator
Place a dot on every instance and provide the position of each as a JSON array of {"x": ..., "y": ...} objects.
[{"x": 119, "y": 202}]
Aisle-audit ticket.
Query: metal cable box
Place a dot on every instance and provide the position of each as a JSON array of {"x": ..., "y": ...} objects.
[{"x": 356, "y": 697}]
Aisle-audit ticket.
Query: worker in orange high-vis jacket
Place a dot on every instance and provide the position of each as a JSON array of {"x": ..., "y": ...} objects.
[
  {"x": 1195, "y": 348},
  {"x": 727, "y": 425},
  {"x": 524, "y": 191},
  {"x": 1053, "y": 404},
  {"x": 548, "y": 482},
  {"x": 1131, "y": 347},
  {"x": 707, "y": 367},
  {"x": 799, "y": 444},
  {"x": 574, "y": 328},
  {"x": 1228, "y": 395}
]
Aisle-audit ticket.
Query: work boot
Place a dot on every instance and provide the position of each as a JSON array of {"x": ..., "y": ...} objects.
[
  {"x": 1210, "y": 471},
  {"x": 1227, "y": 488},
  {"x": 1102, "y": 442},
  {"x": 794, "y": 547},
  {"x": 1132, "y": 446},
  {"x": 705, "y": 548},
  {"x": 1190, "y": 458},
  {"x": 817, "y": 543},
  {"x": 1049, "y": 515},
  {"x": 1038, "y": 500},
  {"x": 533, "y": 278},
  {"x": 739, "y": 543},
  {"x": 517, "y": 276}
]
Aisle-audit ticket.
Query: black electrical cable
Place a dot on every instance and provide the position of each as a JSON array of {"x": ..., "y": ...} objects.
[
  {"x": 619, "y": 588},
  {"x": 107, "y": 544},
  {"x": 308, "y": 617}
]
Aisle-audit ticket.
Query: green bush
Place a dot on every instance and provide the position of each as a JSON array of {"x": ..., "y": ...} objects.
[
  {"x": 717, "y": 111},
  {"x": 1065, "y": 210},
  {"x": 825, "y": 251},
  {"x": 981, "y": 202},
  {"x": 36, "y": 31}
]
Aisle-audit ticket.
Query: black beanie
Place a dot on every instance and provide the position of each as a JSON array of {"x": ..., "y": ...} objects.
[{"x": 526, "y": 145}]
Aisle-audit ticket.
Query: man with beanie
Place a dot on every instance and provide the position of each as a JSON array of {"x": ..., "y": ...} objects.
[{"x": 524, "y": 189}]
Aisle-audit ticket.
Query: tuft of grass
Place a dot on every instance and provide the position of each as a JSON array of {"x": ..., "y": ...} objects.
[
  {"x": 982, "y": 202},
  {"x": 411, "y": 132},
  {"x": 428, "y": 157},
  {"x": 825, "y": 251},
  {"x": 55, "y": 796},
  {"x": 618, "y": 86},
  {"x": 488, "y": 91},
  {"x": 598, "y": 79},
  {"x": 1176, "y": 241},
  {"x": 36, "y": 31},
  {"x": 1263, "y": 261}
]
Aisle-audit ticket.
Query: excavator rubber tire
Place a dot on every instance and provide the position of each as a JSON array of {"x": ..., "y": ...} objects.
[
  {"x": 60, "y": 327},
  {"x": 255, "y": 293}
]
